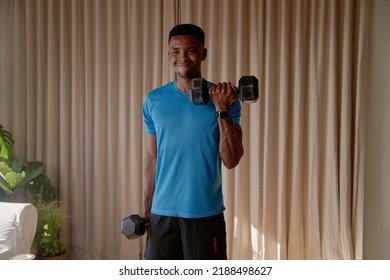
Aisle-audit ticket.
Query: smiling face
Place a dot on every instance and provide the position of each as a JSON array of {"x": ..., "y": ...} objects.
[{"x": 186, "y": 54}]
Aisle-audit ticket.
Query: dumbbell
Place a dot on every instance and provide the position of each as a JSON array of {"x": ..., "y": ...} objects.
[
  {"x": 248, "y": 87},
  {"x": 134, "y": 226}
]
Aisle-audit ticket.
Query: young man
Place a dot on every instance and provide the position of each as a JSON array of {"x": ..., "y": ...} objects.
[{"x": 185, "y": 145}]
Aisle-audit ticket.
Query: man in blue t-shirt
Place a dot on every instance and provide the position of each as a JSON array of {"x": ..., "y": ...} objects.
[{"x": 185, "y": 146}]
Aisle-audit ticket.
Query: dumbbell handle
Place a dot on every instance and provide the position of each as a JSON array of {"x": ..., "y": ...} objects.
[{"x": 200, "y": 91}]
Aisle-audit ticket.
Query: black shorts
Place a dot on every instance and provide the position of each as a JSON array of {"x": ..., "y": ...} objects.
[{"x": 172, "y": 238}]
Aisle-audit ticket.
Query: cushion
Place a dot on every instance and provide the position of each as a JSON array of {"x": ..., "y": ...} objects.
[{"x": 18, "y": 224}]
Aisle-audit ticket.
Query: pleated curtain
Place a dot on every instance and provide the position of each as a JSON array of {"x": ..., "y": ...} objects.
[{"x": 73, "y": 75}]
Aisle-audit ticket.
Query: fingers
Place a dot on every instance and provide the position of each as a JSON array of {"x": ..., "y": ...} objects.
[
  {"x": 225, "y": 86},
  {"x": 224, "y": 93},
  {"x": 145, "y": 215}
]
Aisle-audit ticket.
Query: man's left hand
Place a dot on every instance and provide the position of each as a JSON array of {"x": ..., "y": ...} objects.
[{"x": 224, "y": 94}]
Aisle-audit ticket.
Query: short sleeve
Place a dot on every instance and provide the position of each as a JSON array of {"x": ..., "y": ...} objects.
[
  {"x": 147, "y": 116},
  {"x": 235, "y": 110}
]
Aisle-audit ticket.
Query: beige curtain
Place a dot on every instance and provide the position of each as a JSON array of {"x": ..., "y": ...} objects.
[{"x": 73, "y": 75}]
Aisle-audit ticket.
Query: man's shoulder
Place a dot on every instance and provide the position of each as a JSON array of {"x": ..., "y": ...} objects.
[{"x": 164, "y": 88}]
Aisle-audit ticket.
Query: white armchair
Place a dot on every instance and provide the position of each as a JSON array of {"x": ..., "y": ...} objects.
[{"x": 18, "y": 224}]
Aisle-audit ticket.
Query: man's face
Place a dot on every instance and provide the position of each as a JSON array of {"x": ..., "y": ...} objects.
[{"x": 186, "y": 54}]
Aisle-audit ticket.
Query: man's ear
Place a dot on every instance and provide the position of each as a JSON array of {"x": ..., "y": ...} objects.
[{"x": 204, "y": 54}]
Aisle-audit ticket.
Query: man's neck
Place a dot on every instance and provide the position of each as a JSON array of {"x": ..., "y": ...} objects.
[{"x": 183, "y": 84}]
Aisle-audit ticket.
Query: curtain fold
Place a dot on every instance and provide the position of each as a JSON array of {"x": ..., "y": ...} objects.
[{"x": 73, "y": 75}]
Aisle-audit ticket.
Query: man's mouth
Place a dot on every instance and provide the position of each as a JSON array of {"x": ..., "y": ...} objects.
[{"x": 184, "y": 64}]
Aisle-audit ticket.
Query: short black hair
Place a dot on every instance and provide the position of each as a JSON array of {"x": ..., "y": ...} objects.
[{"x": 187, "y": 29}]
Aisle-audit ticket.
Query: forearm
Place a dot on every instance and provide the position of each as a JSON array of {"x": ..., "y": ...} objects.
[
  {"x": 150, "y": 162},
  {"x": 230, "y": 143},
  {"x": 150, "y": 175}
]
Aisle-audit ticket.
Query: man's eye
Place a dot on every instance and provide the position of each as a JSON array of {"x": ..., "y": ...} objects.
[{"x": 174, "y": 52}]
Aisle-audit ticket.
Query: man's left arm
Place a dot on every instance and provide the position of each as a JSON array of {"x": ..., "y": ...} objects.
[{"x": 230, "y": 142}]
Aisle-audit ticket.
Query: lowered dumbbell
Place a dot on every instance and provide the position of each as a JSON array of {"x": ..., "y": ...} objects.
[
  {"x": 134, "y": 226},
  {"x": 248, "y": 90}
]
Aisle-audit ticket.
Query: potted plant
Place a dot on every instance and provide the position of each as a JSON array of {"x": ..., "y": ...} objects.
[
  {"x": 15, "y": 173},
  {"x": 48, "y": 244},
  {"x": 51, "y": 213}
]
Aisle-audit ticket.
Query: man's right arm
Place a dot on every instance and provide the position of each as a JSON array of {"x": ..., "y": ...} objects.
[{"x": 150, "y": 175}]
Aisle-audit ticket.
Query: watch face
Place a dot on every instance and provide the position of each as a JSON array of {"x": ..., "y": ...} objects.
[{"x": 224, "y": 114}]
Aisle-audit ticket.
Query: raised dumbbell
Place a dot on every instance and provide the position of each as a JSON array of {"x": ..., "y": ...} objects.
[
  {"x": 248, "y": 87},
  {"x": 134, "y": 226}
]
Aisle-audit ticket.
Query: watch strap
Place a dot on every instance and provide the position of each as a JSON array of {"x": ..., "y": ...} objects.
[{"x": 224, "y": 114}]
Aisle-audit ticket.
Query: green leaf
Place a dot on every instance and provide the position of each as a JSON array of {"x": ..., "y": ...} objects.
[
  {"x": 4, "y": 185},
  {"x": 41, "y": 189},
  {"x": 33, "y": 170},
  {"x": 6, "y": 142},
  {"x": 4, "y": 169},
  {"x": 14, "y": 179},
  {"x": 9, "y": 178},
  {"x": 16, "y": 164}
]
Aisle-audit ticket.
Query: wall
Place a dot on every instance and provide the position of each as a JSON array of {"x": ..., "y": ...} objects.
[{"x": 377, "y": 176}]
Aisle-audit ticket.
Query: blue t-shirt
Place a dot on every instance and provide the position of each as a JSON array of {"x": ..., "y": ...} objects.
[{"x": 188, "y": 172}]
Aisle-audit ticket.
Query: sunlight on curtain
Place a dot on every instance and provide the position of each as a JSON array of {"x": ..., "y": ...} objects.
[{"x": 73, "y": 75}]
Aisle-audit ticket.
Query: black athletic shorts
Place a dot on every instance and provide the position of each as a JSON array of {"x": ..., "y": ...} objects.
[{"x": 172, "y": 238}]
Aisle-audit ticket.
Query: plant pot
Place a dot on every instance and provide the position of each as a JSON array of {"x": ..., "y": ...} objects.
[{"x": 64, "y": 256}]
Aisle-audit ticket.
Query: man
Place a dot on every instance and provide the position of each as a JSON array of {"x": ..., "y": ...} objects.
[{"x": 185, "y": 145}]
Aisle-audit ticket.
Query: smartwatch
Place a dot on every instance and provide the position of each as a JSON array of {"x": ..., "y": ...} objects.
[{"x": 225, "y": 114}]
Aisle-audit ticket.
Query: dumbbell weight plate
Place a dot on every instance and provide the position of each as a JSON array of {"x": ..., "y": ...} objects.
[
  {"x": 199, "y": 91},
  {"x": 248, "y": 89},
  {"x": 133, "y": 226}
]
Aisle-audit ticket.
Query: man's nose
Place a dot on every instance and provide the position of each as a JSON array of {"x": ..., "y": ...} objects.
[{"x": 183, "y": 56}]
